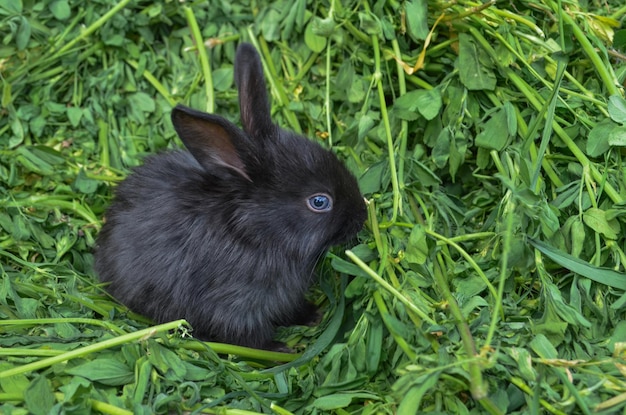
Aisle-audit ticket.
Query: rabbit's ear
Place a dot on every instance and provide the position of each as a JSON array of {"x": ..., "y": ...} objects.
[
  {"x": 253, "y": 100},
  {"x": 211, "y": 139}
]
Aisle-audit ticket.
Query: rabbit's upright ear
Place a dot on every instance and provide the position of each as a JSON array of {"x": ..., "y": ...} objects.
[
  {"x": 253, "y": 99},
  {"x": 211, "y": 139}
]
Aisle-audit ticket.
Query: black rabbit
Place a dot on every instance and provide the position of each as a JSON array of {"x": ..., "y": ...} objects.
[{"x": 227, "y": 234}]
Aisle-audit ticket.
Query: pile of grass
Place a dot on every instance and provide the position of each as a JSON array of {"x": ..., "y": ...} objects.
[{"x": 488, "y": 139}]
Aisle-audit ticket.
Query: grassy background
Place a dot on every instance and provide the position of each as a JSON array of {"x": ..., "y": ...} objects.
[{"x": 488, "y": 138}]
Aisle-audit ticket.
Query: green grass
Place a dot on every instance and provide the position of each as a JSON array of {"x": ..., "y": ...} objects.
[{"x": 488, "y": 139}]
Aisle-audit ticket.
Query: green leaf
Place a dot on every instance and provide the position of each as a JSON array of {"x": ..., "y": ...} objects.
[
  {"x": 74, "y": 115},
  {"x": 18, "y": 133},
  {"x": 494, "y": 135},
  {"x": 345, "y": 267},
  {"x": 366, "y": 122},
  {"x": 617, "y": 137},
  {"x": 551, "y": 326},
  {"x": 474, "y": 74},
  {"x": 356, "y": 91},
  {"x": 322, "y": 27},
  {"x": 417, "y": 247},
  {"x": 108, "y": 371},
  {"x": 602, "y": 275},
  {"x": 76, "y": 390},
  {"x": 417, "y": 18},
  {"x": 11, "y": 7},
  {"x": 543, "y": 348},
  {"x": 618, "y": 336},
  {"x": 41, "y": 236},
  {"x": 427, "y": 102},
  {"x": 142, "y": 101},
  {"x": 524, "y": 363},
  {"x": 84, "y": 184},
  {"x": 596, "y": 219},
  {"x": 470, "y": 306},
  {"x": 16, "y": 384},
  {"x": 577, "y": 233},
  {"x": 371, "y": 181},
  {"x": 39, "y": 397},
  {"x": 270, "y": 25},
  {"x": 49, "y": 155},
  {"x": 60, "y": 9},
  {"x": 441, "y": 151},
  {"x": 411, "y": 401},
  {"x": 223, "y": 79},
  {"x": 20, "y": 231},
  {"x": 168, "y": 362},
  {"x": 341, "y": 400},
  {"x": 374, "y": 346},
  {"x": 470, "y": 286},
  {"x": 562, "y": 309},
  {"x": 548, "y": 219},
  {"x": 314, "y": 41},
  {"x": 23, "y": 34},
  {"x": 617, "y": 109},
  {"x": 511, "y": 118},
  {"x": 115, "y": 40},
  {"x": 566, "y": 195},
  {"x": 143, "y": 370},
  {"x": 598, "y": 139},
  {"x": 369, "y": 24},
  {"x": 405, "y": 107},
  {"x": 37, "y": 125}
]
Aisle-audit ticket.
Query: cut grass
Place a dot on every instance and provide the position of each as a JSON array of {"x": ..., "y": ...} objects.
[{"x": 487, "y": 139}]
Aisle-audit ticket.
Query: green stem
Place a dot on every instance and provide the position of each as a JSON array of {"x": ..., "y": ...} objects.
[
  {"x": 329, "y": 125},
  {"x": 547, "y": 131},
  {"x": 95, "y": 26},
  {"x": 468, "y": 258},
  {"x": 203, "y": 57},
  {"x": 48, "y": 202},
  {"x": 154, "y": 82},
  {"x": 397, "y": 294},
  {"x": 404, "y": 130},
  {"x": 377, "y": 76},
  {"x": 518, "y": 382},
  {"x": 477, "y": 385},
  {"x": 57, "y": 42},
  {"x": 103, "y": 142},
  {"x": 384, "y": 314},
  {"x": 107, "y": 408},
  {"x": 601, "y": 68},
  {"x": 76, "y": 320},
  {"x": 275, "y": 86},
  {"x": 509, "y": 15},
  {"x": 83, "y": 351},
  {"x": 504, "y": 270}
]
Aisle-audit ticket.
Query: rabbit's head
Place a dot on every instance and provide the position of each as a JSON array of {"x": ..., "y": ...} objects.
[{"x": 286, "y": 187}]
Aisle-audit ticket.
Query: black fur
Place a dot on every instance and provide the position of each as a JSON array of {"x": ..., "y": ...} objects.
[{"x": 221, "y": 235}]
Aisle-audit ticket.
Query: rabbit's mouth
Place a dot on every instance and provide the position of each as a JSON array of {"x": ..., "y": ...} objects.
[{"x": 348, "y": 233}]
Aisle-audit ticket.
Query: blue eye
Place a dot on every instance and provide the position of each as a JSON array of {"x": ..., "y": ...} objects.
[{"x": 320, "y": 202}]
